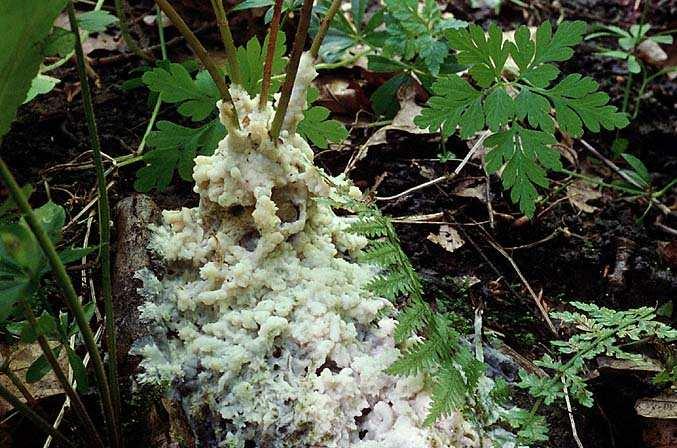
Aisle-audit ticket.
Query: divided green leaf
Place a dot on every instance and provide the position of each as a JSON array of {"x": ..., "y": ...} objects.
[{"x": 516, "y": 107}]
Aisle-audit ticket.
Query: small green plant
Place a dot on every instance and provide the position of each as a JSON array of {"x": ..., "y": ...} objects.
[
  {"x": 432, "y": 341},
  {"x": 173, "y": 146},
  {"x": 601, "y": 331},
  {"x": 628, "y": 42},
  {"x": 516, "y": 110}
]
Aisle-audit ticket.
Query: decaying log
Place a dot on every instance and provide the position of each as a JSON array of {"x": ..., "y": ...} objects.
[{"x": 133, "y": 216}]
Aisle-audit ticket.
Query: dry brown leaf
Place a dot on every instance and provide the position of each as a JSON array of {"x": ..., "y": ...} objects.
[
  {"x": 102, "y": 41},
  {"x": 651, "y": 53},
  {"x": 404, "y": 120},
  {"x": 660, "y": 407},
  {"x": 471, "y": 189},
  {"x": 22, "y": 356},
  {"x": 448, "y": 238},
  {"x": 580, "y": 193}
]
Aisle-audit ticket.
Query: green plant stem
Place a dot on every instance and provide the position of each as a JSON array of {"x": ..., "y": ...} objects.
[
  {"x": 70, "y": 295},
  {"x": 592, "y": 180},
  {"x": 292, "y": 69},
  {"x": 78, "y": 405},
  {"x": 270, "y": 54},
  {"x": 228, "y": 43},
  {"x": 104, "y": 232},
  {"x": 34, "y": 417},
  {"x": 158, "y": 102},
  {"x": 204, "y": 57},
  {"x": 324, "y": 27},
  {"x": 126, "y": 32}
]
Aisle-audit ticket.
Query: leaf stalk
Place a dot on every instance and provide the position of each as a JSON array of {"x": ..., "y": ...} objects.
[
  {"x": 270, "y": 54},
  {"x": 292, "y": 69}
]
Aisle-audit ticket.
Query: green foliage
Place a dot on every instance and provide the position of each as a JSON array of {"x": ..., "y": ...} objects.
[
  {"x": 173, "y": 146},
  {"x": 416, "y": 36},
  {"x": 287, "y": 7},
  {"x": 60, "y": 331},
  {"x": 23, "y": 29},
  {"x": 349, "y": 32},
  {"x": 22, "y": 262},
  {"x": 517, "y": 110},
  {"x": 251, "y": 59},
  {"x": 196, "y": 98},
  {"x": 628, "y": 41},
  {"x": 602, "y": 331},
  {"x": 316, "y": 126},
  {"x": 96, "y": 21}
]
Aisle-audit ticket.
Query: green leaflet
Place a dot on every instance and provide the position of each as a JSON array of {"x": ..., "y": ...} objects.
[
  {"x": 251, "y": 59},
  {"x": 23, "y": 28},
  {"x": 517, "y": 109},
  {"x": 175, "y": 147},
  {"x": 318, "y": 129},
  {"x": 196, "y": 98}
]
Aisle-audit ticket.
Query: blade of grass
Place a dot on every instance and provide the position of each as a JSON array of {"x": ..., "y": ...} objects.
[{"x": 104, "y": 236}]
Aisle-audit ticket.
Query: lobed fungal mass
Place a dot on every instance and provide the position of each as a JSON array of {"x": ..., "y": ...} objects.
[{"x": 262, "y": 324}]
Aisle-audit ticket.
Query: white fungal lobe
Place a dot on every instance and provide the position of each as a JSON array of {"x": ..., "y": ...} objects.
[{"x": 262, "y": 324}]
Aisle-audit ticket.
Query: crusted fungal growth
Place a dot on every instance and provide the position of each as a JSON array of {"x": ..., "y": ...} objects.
[{"x": 263, "y": 327}]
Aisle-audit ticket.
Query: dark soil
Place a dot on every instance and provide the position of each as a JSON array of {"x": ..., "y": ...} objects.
[{"x": 581, "y": 262}]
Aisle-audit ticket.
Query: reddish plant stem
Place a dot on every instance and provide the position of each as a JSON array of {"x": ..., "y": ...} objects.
[
  {"x": 292, "y": 69},
  {"x": 270, "y": 54}
]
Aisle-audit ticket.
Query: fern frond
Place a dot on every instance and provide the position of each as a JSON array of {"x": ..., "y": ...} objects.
[
  {"x": 383, "y": 253},
  {"x": 391, "y": 285},
  {"x": 412, "y": 319},
  {"x": 448, "y": 394},
  {"x": 369, "y": 226},
  {"x": 420, "y": 356}
]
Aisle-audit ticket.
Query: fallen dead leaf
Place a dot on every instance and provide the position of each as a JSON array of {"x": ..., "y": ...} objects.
[
  {"x": 404, "y": 120},
  {"x": 580, "y": 194},
  {"x": 102, "y": 41},
  {"x": 651, "y": 53},
  {"x": 22, "y": 356},
  {"x": 448, "y": 238},
  {"x": 471, "y": 189}
]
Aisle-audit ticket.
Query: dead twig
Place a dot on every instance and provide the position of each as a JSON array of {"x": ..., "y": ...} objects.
[
  {"x": 537, "y": 299},
  {"x": 458, "y": 169}
]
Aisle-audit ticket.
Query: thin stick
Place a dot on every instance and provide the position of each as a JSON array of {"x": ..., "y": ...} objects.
[
  {"x": 202, "y": 54},
  {"x": 228, "y": 43},
  {"x": 66, "y": 285},
  {"x": 324, "y": 27},
  {"x": 32, "y": 416},
  {"x": 78, "y": 405},
  {"x": 456, "y": 172},
  {"x": 572, "y": 422},
  {"x": 270, "y": 54},
  {"x": 292, "y": 69},
  {"x": 126, "y": 32},
  {"x": 104, "y": 231}
]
